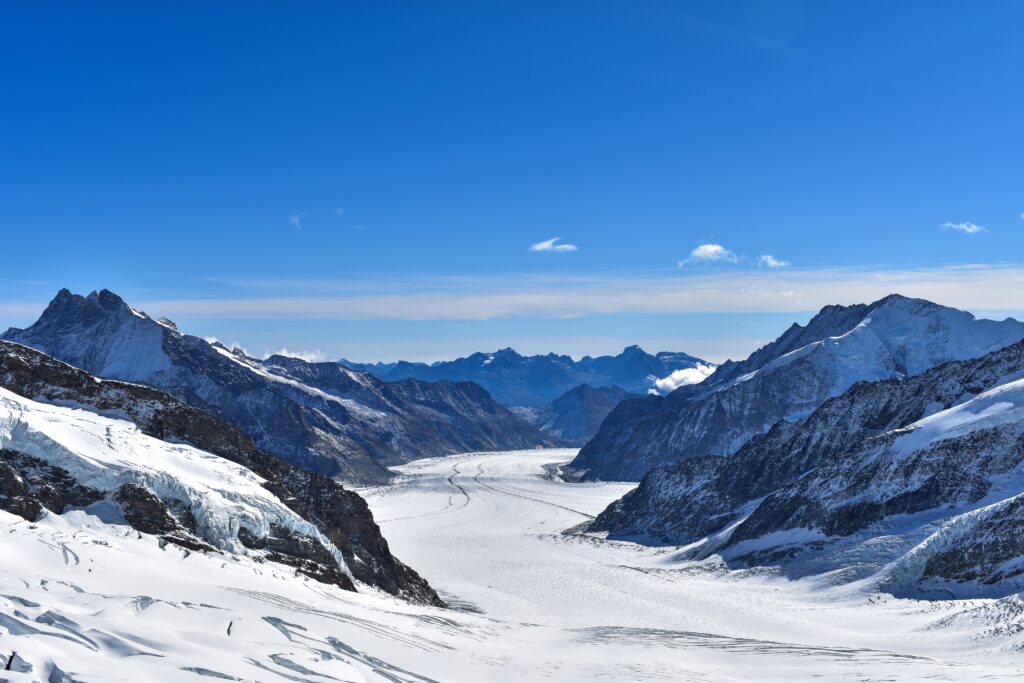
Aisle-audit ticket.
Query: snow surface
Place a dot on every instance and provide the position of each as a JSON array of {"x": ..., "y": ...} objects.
[
  {"x": 530, "y": 603},
  {"x": 902, "y": 336},
  {"x": 997, "y": 406},
  {"x": 106, "y": 453}
]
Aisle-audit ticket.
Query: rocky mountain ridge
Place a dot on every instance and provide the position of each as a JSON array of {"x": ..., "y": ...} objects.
[
  {"x": 919, "y": 478},
  {"x": 786, "y": 380},
  {"x": 320, "y": 416},
  {"x": 29, "y": 484},
  {"x": 517, "y": 380}
]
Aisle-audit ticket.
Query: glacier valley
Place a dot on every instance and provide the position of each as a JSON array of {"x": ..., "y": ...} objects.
[{"x": 83, "y": 599}]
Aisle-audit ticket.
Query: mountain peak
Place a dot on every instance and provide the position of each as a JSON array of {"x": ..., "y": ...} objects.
[{"x": 908, "y": 304}]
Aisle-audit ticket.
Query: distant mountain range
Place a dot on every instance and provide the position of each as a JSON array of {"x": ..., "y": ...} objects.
[
  {"x": 895, "y": 337},
  {"x": 320, "y": 416},
  {"x": 914, "y": 480},
  {"x": 516, "y": 380},
  {"x": 574, "y": 417}
]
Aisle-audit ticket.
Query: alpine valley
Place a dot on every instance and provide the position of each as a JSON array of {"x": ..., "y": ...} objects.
[{"x": 845, "y": 503}]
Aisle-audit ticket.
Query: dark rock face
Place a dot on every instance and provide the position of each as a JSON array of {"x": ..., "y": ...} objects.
[
  {"x": 575, "y": 416},
  {"x": 29, "y": 485},
  {"x": 859, "y": 484},
  {"x": 150, "y": 515},
  {"x": 341, "y": 515},
  {"x": 515, "y": 380},
  {"x": 786, "y": 380},
  {"x": 323, "y": 417},
  {"x": 307, "y": 555}
]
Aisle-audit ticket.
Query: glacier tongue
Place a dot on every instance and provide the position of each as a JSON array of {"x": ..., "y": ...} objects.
[{"x": 105, "y": 453}]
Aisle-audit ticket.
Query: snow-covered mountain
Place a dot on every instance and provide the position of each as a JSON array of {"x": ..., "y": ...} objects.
[
  {"x": 70, "y": 439},
  {"x": 786, "y": 380},
  {"x": 921, "y": 478},
  {"x": 575, "y": 416},
  {"x": 321, "y": 416},
  {"x": 516, "y": 380}
]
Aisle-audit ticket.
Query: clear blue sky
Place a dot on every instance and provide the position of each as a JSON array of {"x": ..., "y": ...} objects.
[{"x": 367, "y": 178}]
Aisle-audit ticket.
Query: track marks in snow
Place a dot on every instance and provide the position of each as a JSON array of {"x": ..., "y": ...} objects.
[
  {"x": 69, "y": 553},
  {"x": 451, "y": 506},
  {"x": 480, "y": 472}
]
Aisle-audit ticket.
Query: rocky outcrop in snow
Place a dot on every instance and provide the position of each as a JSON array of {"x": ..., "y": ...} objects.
[
  {"x": 321, "y": 416},
  {"x": 339, "y": 515},
  {"x": 786, "y": 380}
]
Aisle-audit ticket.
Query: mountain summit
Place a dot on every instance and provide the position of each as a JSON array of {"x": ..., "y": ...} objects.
[
  {"x": 321, "y": 416},
  {"x": 786, "y": 380}
]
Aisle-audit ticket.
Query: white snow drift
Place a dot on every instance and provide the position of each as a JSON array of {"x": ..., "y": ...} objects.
[{"x": 105, "y": 453}]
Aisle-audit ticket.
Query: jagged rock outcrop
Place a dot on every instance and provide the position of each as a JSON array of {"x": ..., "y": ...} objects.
[
  {"x": 786, "y": 380},
  {"x": 342, "y": 516},
  {"x": 29, "y": 485},
  {"x": 918, "y": 476},
  {"x": 321, "y": 416},
  {"x": 516, "y": 380},
  {"x": 574, "y": 417}
]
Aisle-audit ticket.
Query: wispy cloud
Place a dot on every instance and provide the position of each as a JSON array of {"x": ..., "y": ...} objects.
[
  {"x": 295, "y": 220},
  {"x": 966, "y": 228},
  {"x": 550, "y": 245},
  {"x": 978, "y": 287},
  {"x": 710, "y": 253},
  {"x": 339, "y": 212},
  {"x": 772, "y": 262}
]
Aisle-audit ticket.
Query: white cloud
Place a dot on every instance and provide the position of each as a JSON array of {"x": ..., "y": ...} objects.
[
  {"x": 966, "y": 228},
  {"x": 772, "y": 262},
  {"x": 295, "y": 220},
  {"x": 1022, "y": 216},
  {"x": 315, "y": 356},
  {"x": 549, "y": 245},
  {"x": 977, "y": 286},
  {"x": 680, "y": 378},
  {"x": 339, "y": 212},
  {"x": 710, "y": 253}
]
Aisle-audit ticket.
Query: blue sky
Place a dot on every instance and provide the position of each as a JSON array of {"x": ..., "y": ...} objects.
[{"x": 366, "y": 179}]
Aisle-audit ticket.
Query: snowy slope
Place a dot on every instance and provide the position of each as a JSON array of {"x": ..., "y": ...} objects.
[
  {"x": 787, "y": 380},
  {"x": 87, "y": 601},
  {"x": 921, "y": 475},
  {"x": 340, "y": 514},
  {"x": 106, "y": 454}
]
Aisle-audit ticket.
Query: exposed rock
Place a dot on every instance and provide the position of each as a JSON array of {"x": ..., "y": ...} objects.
[
  {"x": 307, "y": 555},
  {"x": 786, "y": 380},
  {"x": 27, "y": 485},
  {"x": 340, "y": 514},
  {"x": 923, "y": 473},
  {"x": 321, "y": 416}
]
